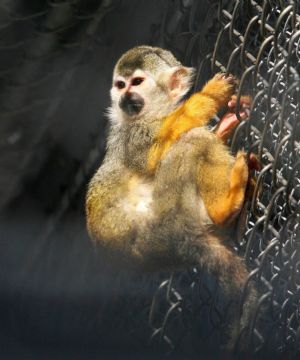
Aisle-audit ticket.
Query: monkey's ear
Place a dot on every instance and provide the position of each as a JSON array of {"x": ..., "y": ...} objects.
[{"x": 179, "y": 80}]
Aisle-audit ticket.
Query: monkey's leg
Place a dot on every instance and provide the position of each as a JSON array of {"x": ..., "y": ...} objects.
[
  {"x": 232, "y": 276},
  {"x": 226, "y": 205},
  {"x": 224, "y": 129},
  {"x": 195, "y": 112},
  {"x": 221, "y": 179}
]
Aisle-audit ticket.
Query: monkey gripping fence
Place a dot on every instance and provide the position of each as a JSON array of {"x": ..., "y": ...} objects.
[{"x": 259, "y": 42}]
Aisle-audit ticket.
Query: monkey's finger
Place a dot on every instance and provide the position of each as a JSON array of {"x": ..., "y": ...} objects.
[
  {"x": 245, "y": 102},
  {"x": 228, "y": 122},
  {"x": 244, "y": 114}
]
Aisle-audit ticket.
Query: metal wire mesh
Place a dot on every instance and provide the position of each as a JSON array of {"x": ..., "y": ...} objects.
[{"x": 259, "y": 42}]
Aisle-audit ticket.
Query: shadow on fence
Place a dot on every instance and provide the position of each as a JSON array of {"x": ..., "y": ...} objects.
[{"x": 259, "y": 42}]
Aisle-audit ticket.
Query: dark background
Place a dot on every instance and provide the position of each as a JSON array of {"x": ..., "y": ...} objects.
[{"x": 59, "y": 298}]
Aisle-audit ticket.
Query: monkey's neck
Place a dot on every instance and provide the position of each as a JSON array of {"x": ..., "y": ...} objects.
[{"x": 130, "y": 143}]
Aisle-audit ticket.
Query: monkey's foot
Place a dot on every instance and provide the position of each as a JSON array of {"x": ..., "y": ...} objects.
[
  {"x": 230, "y": 120},
  {"x": 220, "y": 88},
  {"x": 253, "y": 164},
  {"x": 225, "y": 210},
  {"x": 238, "y": 185}
]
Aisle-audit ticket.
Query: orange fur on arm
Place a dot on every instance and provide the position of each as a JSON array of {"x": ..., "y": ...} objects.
[{"x": 195, "y": 112}]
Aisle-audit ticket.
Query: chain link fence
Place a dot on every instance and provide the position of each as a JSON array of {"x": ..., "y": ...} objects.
[
  {"x": 259, "y": 42},
  {"x": 45, "y": 46}
]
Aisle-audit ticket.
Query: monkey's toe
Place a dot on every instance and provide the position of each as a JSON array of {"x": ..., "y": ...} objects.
[
  {"x": 254, "y": 163},
  {"x": 228, "y": 122}
]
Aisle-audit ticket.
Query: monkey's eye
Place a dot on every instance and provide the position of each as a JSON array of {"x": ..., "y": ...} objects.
[
  {"x": 137, "y": 81},
  {"x": 120, "y": 84}
]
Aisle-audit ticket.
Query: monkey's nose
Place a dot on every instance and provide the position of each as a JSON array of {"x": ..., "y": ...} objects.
[{"x": 131, "y": 103}]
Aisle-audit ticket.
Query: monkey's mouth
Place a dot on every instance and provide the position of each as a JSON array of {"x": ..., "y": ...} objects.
[{"x": 131, "y": 103}]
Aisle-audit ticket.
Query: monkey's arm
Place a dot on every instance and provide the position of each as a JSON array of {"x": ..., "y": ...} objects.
[{"x": 195, "y": 112}]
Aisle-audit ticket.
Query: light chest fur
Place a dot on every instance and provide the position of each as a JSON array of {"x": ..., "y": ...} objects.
[{"x": 138, "y": 202}]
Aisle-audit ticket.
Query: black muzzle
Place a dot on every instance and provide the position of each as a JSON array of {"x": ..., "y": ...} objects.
[{"x": 131, "y": 103}]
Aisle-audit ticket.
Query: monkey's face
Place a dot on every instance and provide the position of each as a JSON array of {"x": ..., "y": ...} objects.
[
  {"x": 138, "y": 96},
  {"x": 148, "y": 84}
]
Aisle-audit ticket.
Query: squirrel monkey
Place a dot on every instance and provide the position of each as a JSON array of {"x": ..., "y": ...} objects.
[{"x": 168, "y": 186}]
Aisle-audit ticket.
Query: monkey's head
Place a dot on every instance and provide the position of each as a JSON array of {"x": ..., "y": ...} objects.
[{"x": 148, "y": 82}]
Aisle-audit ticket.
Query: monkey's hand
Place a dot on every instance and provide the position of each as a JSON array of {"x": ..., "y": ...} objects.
[
  {"x": 230, "y": 120},
  {"x": 195, "y": 112},
  {"x": 220, "y": 88}
]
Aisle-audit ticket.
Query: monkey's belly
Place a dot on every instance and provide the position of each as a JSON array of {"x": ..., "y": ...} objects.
[{"x": 138, "y": 202}]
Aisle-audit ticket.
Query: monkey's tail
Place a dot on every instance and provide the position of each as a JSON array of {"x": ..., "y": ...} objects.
[{"x": 232, "y": 275}]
